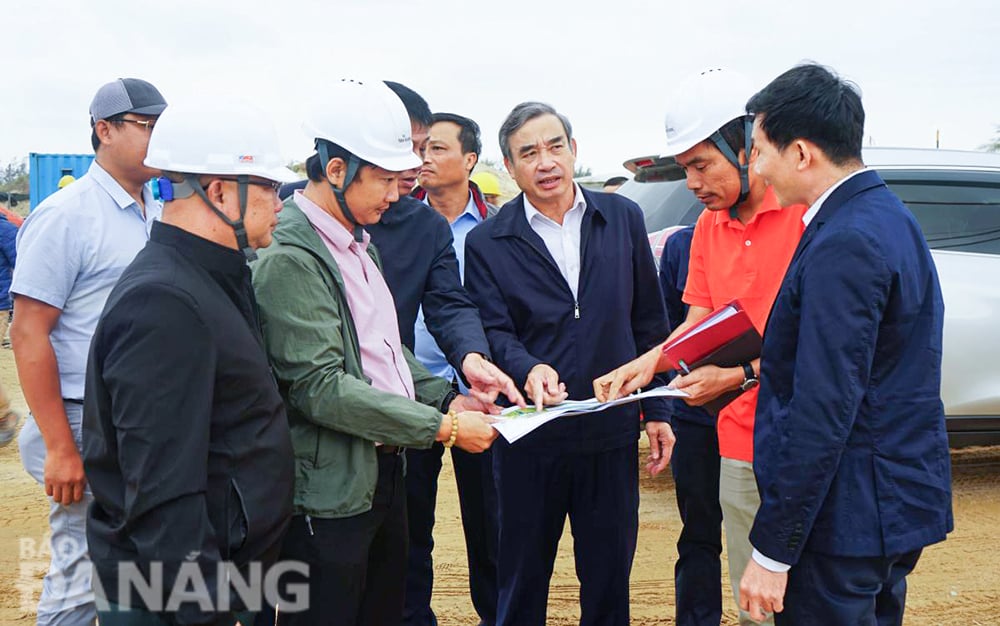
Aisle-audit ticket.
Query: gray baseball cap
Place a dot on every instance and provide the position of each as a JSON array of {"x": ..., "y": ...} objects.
[{"x": 126, "y": 95}]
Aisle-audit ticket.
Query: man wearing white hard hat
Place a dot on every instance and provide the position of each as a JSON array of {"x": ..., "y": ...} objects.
[
  {"x": 355, "y": 397},
  {"x": 186, "y": 444},
  {"x": 741, "y": 246}
]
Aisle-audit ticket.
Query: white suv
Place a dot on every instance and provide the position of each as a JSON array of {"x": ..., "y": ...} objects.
[{"x": 956, "y": 198}]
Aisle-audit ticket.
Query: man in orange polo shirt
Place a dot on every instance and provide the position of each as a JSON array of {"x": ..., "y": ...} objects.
[{"x": 742, "y": 245}]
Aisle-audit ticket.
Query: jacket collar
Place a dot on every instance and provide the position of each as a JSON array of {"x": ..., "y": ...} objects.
[
  {"x": 848, "y": 189},
  {"x": 215, "y": 258},
  {"x": 477, "y": 198},
  {"x": 511, "y": 221},
  {"x": 851, "y": 187},
  {"x": 294, "y": 229}
]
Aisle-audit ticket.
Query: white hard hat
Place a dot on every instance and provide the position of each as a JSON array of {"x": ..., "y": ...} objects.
[
  {"x": 365, "y": 118},
  {"x": 701, "y": 105},
  {"x": 219, "y": 138}
]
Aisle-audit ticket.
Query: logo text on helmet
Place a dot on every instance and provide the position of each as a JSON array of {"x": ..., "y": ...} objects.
[{"x": 246, "y": 158}]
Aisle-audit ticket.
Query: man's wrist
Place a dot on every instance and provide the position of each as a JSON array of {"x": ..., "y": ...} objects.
[
  {"x": 448, "y": 399},
  {"x": 770, "y": 564}
]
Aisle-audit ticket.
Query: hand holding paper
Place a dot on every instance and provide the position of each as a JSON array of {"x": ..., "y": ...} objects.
[
  {"x": 623, "y": 380},
  {"x": 515, "y": 422}
]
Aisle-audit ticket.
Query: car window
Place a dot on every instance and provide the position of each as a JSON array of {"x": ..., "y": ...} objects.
[
  {"x": 956, "y": 210},
  {"x": 663, "y": 204}
]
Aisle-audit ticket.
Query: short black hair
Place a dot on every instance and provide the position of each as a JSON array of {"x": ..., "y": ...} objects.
[
  {"x": 615, "y": 180},
  {"x": 811, "y": 102},
  {"x": 416, "y": 107},
  {"x": 524, "y": 113},
  {"x": 468, "y": 131},
  {"x": 316, "y": 171}
]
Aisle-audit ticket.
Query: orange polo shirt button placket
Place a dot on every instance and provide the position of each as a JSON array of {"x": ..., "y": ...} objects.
[{"x": 721, "y": 271}]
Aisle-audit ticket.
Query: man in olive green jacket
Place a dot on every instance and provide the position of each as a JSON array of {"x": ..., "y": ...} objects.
[{"x": 355, "y": 397}]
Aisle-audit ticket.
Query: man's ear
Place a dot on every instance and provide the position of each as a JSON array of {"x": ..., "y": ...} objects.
[
  {"x": 336, "y": 171},
  {"x": 470, "y": 162},
  {"x": 805, "y": 153},
  {"x": 216, "y": 191},
  {"x": 225, "y": 197},
  {"x": 507, "y": 164},
  {"x": 103, "y": 131},
  {"x": 572, "y": 146}
]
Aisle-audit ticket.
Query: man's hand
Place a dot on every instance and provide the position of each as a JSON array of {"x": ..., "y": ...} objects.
[
  {"x": 622, "y": 381},
  {"x": 486, "y": 380},
  {"x": 661, "y": 446},
  {"x": 708, "y": 383},
  {"x": 543, "y": 386},
  {"x": 762, "y": 591},
  {"x": 64, "y": 477},
  {"x": 463, "y": 403},
  {"x": 475, "y": 431}
]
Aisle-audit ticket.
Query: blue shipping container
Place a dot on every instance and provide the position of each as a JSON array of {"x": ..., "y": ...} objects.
[{"x": 45, "y": 170}]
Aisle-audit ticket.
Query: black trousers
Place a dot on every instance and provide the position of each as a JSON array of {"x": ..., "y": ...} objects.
[
  {"x": 477, "y": 499},
  {"x": 357, "y": 565},
  {"x": 698, "y": 571},
  {"x": 834, "y": 590},
  {"x": 536, "y": 490}
]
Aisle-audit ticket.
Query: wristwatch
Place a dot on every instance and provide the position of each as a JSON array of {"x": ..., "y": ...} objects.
[{"x": 750, "y": 379}]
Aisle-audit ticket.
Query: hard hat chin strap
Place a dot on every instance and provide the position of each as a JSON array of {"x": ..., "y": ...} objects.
[
  {"x": 353, "y": 164},
  {"x": 730, "y": 154},
  {"x": 239, "y": 229}
]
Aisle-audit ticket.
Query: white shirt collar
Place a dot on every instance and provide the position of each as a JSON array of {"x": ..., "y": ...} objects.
[
  {"x": 816, "y": 206},
  {"x": 579, "y": 204}
]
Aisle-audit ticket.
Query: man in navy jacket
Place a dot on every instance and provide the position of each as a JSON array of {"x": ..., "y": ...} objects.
[
  {"x": 567, "y": 289},
  {"x": 853, "y": 468}
]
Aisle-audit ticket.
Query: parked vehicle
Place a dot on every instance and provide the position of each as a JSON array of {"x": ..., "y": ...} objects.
[{"x": 955, "y": 197}]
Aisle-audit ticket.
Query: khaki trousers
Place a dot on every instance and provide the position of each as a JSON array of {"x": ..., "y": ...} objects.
[{"x": 739, "y": 500}]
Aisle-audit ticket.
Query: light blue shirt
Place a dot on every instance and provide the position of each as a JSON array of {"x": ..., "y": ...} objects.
[
  {"x": 70, "y": 253},
  {"x": 424, "y": 347}
]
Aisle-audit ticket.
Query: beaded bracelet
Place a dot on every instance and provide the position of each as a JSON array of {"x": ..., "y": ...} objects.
[{"x": 454, "y": 429}]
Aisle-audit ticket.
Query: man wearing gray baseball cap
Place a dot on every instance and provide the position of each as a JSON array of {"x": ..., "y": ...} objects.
[{"x": 71, "y": 251}]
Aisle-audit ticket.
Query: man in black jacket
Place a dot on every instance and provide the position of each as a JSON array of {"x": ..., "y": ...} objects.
[
  {"x": 566, "y": 286},
  {"x": 453, "y": 147},
  {"x": 186, "y": 444}
]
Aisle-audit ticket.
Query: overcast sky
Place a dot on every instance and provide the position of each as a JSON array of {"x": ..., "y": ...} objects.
[{"x": 922, "y": 66}]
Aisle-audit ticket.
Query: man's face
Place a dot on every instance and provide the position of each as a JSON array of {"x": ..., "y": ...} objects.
[
  {"x": 542, "y": 161},
  {"x": 371, "y": 193},
  {"x": 408, "y": 178},
  {"x": 126, "y": 145},
  {"x": 776, "y": 167},
  {"x": 445, "y": 164},
  {"x": 712, "y": 178},
  {"x": 261, "y": 217}
]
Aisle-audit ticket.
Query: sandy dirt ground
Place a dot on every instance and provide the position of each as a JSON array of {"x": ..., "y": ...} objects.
[{"x": 956, "y": 582}]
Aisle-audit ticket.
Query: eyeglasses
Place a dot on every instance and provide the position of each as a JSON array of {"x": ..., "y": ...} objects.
[
  {"x": 273, "y": 184},
  {"x": 147, "y": 125}
]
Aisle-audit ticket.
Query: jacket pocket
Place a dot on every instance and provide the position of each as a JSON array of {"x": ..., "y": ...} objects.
[{"x": 239, "y": 521}]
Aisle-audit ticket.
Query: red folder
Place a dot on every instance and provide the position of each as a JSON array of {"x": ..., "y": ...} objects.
[{"x": 725, "y": 337}]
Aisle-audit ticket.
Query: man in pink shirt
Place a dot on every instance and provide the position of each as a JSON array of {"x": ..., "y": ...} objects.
[{"x": 355, "y": 396}]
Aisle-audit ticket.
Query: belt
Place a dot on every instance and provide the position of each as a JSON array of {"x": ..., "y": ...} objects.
[
  {"x": 384, "y": 449},
  {"x": 73, "y": 401}
]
